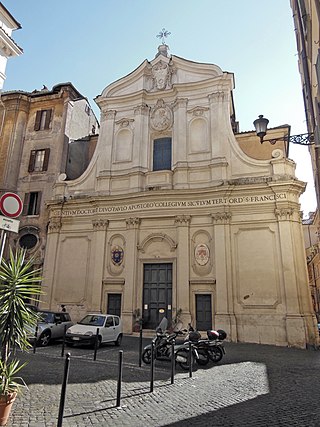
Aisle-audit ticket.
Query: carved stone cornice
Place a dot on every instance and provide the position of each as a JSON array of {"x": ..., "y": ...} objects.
[
  {"x": 182, "y": 219},
  {"x": 142, "y": 109},
  {"x": 221, "y": 217},
  {"x": 100, "y": 224},
  {"x": 198, "y": 111},
  {"x": 217, "y": 96},
  {"x": 110, "y": 114},
  {"x": 123, "y": 123},
  {"x": 157, "y": 237},
  {"x": 180, "y": 103},
  {"x": 133, "y": 222},
  {"x": 54, "y": 226},
  {"x": 284, "y": 214}
]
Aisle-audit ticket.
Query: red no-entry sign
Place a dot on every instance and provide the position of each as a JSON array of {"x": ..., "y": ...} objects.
[{"x": 11, "y": 205}]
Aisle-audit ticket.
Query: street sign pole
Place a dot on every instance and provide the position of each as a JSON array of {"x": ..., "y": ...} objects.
[
  {"x": 2, "y": 243},
  {"x": 11, "y": 207}
]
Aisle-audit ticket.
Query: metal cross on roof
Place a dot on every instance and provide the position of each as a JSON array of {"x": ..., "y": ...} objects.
[{"x": 162, "y": 34}]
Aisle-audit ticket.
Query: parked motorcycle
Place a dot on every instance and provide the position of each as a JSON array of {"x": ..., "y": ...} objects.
[
  {"x": 163, "y": 347},
  {"x": 162, "y": 343},
  {"x": 212, "y": 345}
]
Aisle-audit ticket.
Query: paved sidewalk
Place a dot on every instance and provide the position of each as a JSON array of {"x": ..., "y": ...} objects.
[{"x": 254, "y": 385}]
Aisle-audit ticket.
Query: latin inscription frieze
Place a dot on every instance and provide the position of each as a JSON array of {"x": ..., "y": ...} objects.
[{"x": 162, "y": 204}]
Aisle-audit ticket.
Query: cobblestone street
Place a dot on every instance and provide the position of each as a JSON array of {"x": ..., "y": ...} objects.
[{"x": 253, "y": 385}]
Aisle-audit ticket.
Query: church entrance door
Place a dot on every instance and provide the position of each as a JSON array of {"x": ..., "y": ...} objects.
[{"x": 157, "y": 294}]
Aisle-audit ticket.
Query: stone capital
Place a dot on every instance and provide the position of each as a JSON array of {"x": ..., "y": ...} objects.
[
  {"x": 182, "y": 219},
  {"x": 221, "y": 217},
  {"x": 54, "y": 226},
  {"x": 100, "y": 224},
  {"x": 133, "y": 223}
]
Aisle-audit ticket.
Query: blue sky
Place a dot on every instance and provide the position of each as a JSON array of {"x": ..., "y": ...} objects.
[{"x": 91, "y": 44}]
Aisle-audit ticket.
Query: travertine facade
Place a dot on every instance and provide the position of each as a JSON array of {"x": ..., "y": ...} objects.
[{"x": 172, "y": 216}]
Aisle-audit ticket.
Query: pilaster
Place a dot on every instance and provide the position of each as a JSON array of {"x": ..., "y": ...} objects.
[
  {"x": 182, "y": 223},
  {"x": 131, "y": 285},
  {"x": 98, "y": 256},
  {"x": 224, "y": 316}
]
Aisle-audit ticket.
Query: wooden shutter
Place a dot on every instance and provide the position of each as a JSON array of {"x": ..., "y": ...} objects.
[
  {"x": 32, "y": 160},
  {"x": 38, "y": 120},
  {"x": 26, "y": 204},
  {"x": 318, "y": 67},
  {"x": 48, "y": 119},
  {"x": 46, "y": 159},
  {"x": 37, "y": 210}
]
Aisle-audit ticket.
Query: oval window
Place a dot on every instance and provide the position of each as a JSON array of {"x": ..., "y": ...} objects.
[{"x": 28, "y": 241}]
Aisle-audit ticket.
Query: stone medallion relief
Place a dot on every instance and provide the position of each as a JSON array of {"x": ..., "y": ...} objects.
[
  {"x": 202, "y": 253},
  {"x": 161, "y": 116},
  {"x": 116, "y": 255}
]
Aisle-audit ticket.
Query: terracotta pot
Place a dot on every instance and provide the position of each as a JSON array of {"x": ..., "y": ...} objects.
[{"x": 5, "y": 407}]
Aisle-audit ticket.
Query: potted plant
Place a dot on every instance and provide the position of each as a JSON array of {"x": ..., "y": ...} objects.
[{"x": 20, "y": 285}]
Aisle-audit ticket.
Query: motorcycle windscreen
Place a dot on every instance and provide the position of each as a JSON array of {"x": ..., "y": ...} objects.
[
  {"x": 163, "y": 325},
  {"x": 178, "y": 327}
]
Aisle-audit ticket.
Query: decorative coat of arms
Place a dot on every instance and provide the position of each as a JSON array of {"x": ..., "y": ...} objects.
[
  {"x": 202, "y": 254},
  {"x": 117, "y": 255}
]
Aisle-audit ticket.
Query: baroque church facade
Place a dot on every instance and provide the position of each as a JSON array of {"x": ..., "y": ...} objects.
[{"x": 172, "y": 217}]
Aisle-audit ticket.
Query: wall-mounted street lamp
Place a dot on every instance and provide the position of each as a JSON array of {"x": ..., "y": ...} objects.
[{"x": 261, "y": 124}]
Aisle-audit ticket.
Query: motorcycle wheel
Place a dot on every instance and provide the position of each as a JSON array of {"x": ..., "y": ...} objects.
[
  {"x": 203, "y": 358},
  {"x": 215, "y": 354},
  {"x": 182, "y": 359},
  {"x": 146, "y": 356}
]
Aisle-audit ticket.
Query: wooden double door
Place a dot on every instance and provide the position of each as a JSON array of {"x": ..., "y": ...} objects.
[{"x": 157, "y": 294}]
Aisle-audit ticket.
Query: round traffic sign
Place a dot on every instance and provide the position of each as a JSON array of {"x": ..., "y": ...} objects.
[{"x": 11, "y": 205}]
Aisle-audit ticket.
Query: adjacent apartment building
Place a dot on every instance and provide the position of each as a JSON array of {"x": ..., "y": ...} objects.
[
  {"x": 306, "y": 16},
  {"x": 46, "y": 135}
]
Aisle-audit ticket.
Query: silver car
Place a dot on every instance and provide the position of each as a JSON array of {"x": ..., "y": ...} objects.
[{"x": 51, "y": 326}]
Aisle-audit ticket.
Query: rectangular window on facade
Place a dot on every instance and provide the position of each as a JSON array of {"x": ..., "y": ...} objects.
[
  {"x": 162, "y": 154},
  {"x": 39, "y": 160},
  {"x": 31, "y": 205},
  {"x": 303, "y": 14},
  {"x": 43, "y": 120},
  {"x": 318, "y": 67}
]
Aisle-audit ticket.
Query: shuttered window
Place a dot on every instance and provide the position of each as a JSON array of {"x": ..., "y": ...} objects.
[
  {"x": 39, "y": 160},
  {"x": 162, "y": 154},
  {"x": 31, "y": 204},
  {"x": 43, "y": 119},
  {"x": 318, "y": 67}
]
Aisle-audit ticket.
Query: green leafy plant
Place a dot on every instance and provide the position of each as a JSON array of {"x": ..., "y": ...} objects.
[
  {"x": 20, "y": 285},
  {"x": 10, "y": 382}
]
